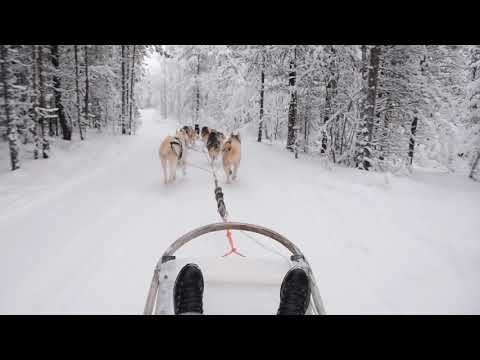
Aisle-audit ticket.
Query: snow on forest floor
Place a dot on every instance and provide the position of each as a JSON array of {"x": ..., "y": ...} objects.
[{"x": 81, "y": 232}]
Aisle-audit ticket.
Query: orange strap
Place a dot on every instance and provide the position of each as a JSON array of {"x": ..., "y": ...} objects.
[{"x": 233, "y": 249}]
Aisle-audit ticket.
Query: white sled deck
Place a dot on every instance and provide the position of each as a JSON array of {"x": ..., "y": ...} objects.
[{"x": 232, "y": 285}]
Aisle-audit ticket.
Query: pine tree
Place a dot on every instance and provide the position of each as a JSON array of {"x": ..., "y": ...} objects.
[
  {"x": 132, "y": 77},
  {"x": 66, "y": 128},
  {"x": 86, "y": 111},
  {"x": 474, "y": 170},
  {"x": 10, "y": 120},
  {"x": 370, "y": 104},
  {"x": 124, "y": 131},
  {"x": 330, "y": 93}
]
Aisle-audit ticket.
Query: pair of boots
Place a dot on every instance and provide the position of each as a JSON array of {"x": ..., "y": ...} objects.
[{"x": 188, "y": 292}]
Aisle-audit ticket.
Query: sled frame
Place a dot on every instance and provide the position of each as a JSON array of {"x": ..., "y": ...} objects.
[{"x": 297, "y": 258}]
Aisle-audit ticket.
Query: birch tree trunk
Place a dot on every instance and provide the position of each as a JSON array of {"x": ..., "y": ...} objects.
[
  {"x": 132, "y": 77},
  {"x": 292, "y": 109},
  {"x": 43, "y": 104},
  {"x": 262, "y": 82},
  {"x": 411, "y": 144},
  {"x": 197, "y": 108},
  {"x": 79, "y": 120}
]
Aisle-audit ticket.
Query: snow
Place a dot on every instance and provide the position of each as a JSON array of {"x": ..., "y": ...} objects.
[{"x": 81, "y": 232}]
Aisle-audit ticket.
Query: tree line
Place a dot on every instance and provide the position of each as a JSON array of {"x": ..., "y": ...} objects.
[
  {"x": 372, "y": 107},
  {"x": 65, "y": 91}
]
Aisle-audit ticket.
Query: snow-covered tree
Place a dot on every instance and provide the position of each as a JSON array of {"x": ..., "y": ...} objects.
[
  {"x": 62, "y": 90},
  {"x": 8, "y": 97}
]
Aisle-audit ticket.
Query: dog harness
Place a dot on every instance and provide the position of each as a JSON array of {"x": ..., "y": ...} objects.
[
  {"x": 177, "y": 141},
  {"x": 226, "y": 142}
]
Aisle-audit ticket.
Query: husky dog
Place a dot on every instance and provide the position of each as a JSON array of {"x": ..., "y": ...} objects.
[
  {"x": 231, "y": 156},
  {"x": 172, "y": 152},
  {"x": 222, "y": 137},
  {"x": 214, "y": 144},
  {"x": 191, "y": 135},
  {"x": 204, "y": 134}
]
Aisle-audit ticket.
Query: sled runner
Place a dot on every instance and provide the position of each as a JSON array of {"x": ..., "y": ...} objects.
[{"x": 233, "y": 285}]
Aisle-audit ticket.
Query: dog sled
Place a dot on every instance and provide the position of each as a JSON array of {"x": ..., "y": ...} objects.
[
  {"x": 236, "y": 284},
  {"x": 229, "y": 281}
]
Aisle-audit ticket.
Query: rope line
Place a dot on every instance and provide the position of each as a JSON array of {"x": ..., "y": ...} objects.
[
  {"x": 198, "y": 167},
  {"x": 220, "y": 203},
  {"x": 264, "y": 246},
  {"x": 222, "y": 208}
]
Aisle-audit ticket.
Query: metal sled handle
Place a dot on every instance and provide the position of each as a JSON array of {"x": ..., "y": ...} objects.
[
  {"x": 230, "y": 226},
  {"x": 168, "y": 255}
]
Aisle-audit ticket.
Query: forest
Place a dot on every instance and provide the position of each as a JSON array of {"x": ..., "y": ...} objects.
[
  {"x": 65, "y": 91},
  {"x": 371, "y": 107}
]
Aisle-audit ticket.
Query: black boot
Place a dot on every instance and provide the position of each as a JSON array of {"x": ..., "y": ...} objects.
[
  {"x": 294, "y": 293},
  {"x": 188, "y": 290}
]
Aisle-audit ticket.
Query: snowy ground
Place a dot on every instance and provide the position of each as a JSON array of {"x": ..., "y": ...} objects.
[{"x": 82, "y": 233}]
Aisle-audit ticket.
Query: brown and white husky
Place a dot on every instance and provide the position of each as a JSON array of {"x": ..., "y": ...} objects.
[
  {"x": 172, "y": 153},
  {"x": 232, "y": 153},
  {"x": 204, "y": 134},
  {"x": 215, "y": 144}
]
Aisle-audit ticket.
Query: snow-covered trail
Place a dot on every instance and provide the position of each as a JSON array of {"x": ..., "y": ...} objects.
[
  {"x": 84, "y": 238},
  {"x": 90, "y": 244}
]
